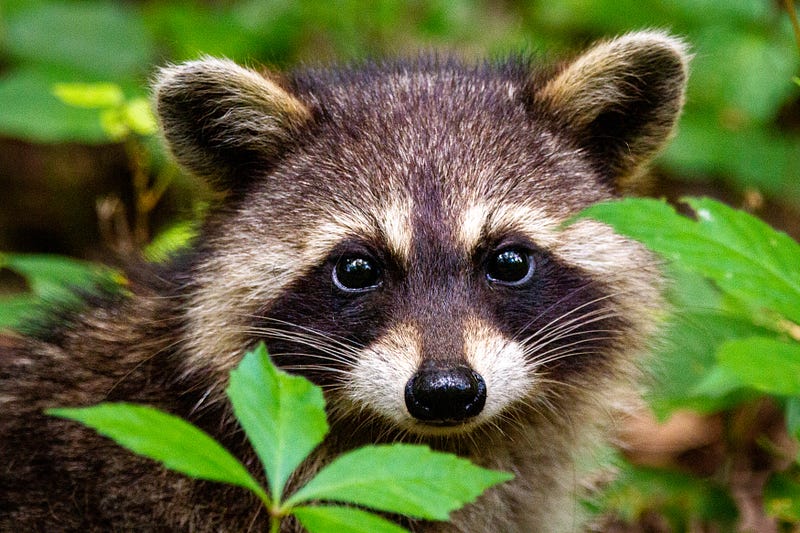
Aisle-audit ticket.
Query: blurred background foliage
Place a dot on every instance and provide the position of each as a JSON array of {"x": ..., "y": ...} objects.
[
  {"x": 739, "y": 134},
  {"x": 83, "y": 175}
]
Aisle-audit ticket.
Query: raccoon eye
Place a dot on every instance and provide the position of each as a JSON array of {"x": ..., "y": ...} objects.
[
  {"x": 510, "y": 266},
  {"x": 356, "y": 273}
]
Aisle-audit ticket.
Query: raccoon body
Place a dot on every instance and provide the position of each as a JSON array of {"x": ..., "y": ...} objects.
[{"x": 396, "y": 234}]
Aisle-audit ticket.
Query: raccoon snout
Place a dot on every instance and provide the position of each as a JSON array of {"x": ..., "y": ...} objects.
[{"x": 445, "y": 396}]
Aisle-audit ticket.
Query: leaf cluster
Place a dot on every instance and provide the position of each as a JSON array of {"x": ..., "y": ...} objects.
[
  {"x": 734, "y": 336},
  {"x": 283, "y": 416}
]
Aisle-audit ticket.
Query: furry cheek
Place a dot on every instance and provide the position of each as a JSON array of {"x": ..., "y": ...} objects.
[
  {"x": 378, "y": 379},
  {"x": 501, "y": 362}
]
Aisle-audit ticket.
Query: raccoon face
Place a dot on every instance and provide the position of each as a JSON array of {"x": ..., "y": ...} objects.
[{"x": 396, "y": 233}]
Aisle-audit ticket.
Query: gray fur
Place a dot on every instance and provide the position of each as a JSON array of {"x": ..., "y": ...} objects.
[{"x": 423, "y": 166}]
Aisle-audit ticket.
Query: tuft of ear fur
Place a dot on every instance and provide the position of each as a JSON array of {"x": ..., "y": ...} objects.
[
  {"x": 218, "y": 117},
  {"x": 621, "y": 99}
]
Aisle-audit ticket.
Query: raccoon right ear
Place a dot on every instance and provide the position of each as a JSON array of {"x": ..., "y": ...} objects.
[
  {"x": 218, "y": 117},
  {"x": 620, "y": 100}
]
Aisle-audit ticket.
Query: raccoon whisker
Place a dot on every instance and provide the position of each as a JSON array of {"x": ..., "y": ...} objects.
[
  {"x": 565, "y": 320},
  {"x": 332, "y": 358},
  {"x": 199, "y": 404},
  {"x": 337, "y": 339},
  {"x": 141, "y": 363},
  {"x": 560, "y": 322},
  {"x": 534, "y": 345},
  {"x": 571, "y": 311},
  {"x": 315, "y": 367},
  {"x": 570, "y": 328},
  {"x": 318, "y": 343},
  {"x": 291, "y": 334},
  {"x": 565, "y": 355},
  {"x": 535, "y": 356}
]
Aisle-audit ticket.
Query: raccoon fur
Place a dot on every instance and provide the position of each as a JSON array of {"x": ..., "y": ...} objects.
[{"x": 396, "y": 233}]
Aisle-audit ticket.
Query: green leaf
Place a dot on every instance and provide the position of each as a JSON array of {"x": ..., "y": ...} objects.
[
  {"x": 404, "y": 479},
  {"x": 717, "y": 382},
  {"x": 166, "y": 438},
  {"x": 327, "y": 519},
  {"x": 139, "y": 117},
  {"x": 105, "y": 38},
  {"x": 56, "y": 277},
  {"x": 282, "y": 415},
  {"x": 14, "y": 310},
  {"x": 89, "y": 95},
  {"x": 169, "y": 241},
  {"x": 686, "y": 370},
  {"x": 765, "y": 364},
  {"x": 31, "y": 111},
  {"x": 782, "y": 497},
  {"x": 743, "y": 255}
]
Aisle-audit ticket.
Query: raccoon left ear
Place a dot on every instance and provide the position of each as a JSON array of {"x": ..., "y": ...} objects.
[
  {"x": 218, "y": 118},
  {"x": 621, "y": 100}
]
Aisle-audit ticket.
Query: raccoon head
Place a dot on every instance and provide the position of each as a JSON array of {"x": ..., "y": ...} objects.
[{"x": 396, "y": 232}]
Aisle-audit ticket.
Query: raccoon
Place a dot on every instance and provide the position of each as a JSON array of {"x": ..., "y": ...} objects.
[{"x": 396, "y": 233}]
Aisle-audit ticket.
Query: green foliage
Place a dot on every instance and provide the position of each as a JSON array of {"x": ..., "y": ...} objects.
[
  {"x": 94, "y": 41},
  {"x": 284, "y": 419},
  {"x": 745, "y": 258},
  {"x": 169, "y": 241},
  {"x": 50, "y": 279},
  {"x": 282, "y": 415},
  {"x": 378, "y": 477},
  {"x": 166, "y": 438},
  {"x": 680, "y": 498},
  {"x": 736, "y": 295},
  {"x": 748, "y": 311},
  {"x": 782, "y": 497},
  {"x": 329, "y": 519},
  {"x": 741, "y": 74},
  {"x": 119, "y": 118}
]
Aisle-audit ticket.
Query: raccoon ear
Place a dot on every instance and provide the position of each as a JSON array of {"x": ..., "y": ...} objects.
[
  {"x": 218, "y": 117},
  {"x": 621, "y": 99}
]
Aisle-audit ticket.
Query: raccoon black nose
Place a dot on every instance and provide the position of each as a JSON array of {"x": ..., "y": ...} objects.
[{"x": 445, "y": 396}]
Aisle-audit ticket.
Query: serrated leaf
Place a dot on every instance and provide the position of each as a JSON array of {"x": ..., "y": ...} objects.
[
  {"x": 326, "y": 519},
  {"x": 744, "y": 256},
  {"x": 166, "y": 438},
  {"x": 282, "y": 415},
  {"x": 764, "y": 364},
  {"x": 409, "y": 480},
  {"x": 755, "y": 262}
]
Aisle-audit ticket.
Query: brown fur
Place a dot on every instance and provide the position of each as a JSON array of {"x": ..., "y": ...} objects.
[{"x": 424, "y": 167}]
